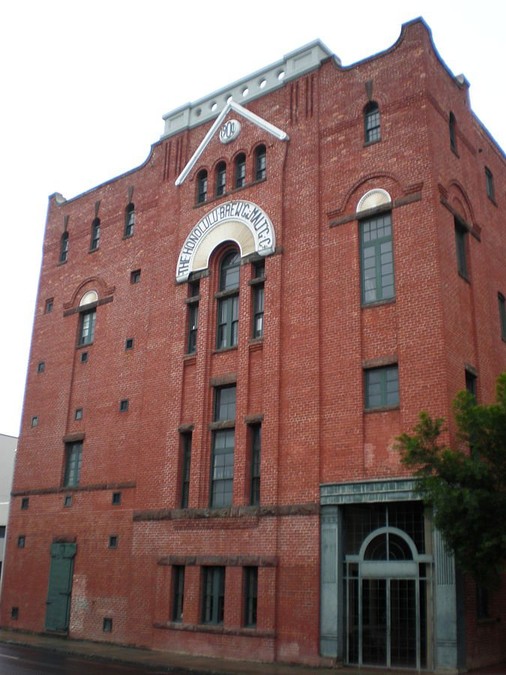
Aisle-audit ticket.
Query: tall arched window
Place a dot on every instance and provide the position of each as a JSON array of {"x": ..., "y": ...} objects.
[
  {"x": 260, "y": 163},
  {"x": 129, "y": 220},
  {"x": 221, "y": 179},
  {"x": 202, "y": 186},
  {"x": 228, "y": 301},
  {"x": 64, "y": 247},
  {"x": 240, "y": 171},
  {"x": 372, "y": 123}
]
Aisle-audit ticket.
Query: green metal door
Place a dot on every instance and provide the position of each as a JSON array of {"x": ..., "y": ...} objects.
[{"x": 60, "y": 587}]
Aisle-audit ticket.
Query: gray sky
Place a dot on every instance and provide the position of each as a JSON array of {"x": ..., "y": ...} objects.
[{"x": 85, "y": 84}]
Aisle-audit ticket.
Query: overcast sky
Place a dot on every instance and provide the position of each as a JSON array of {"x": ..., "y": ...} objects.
[{"x": 84, "y": 86}]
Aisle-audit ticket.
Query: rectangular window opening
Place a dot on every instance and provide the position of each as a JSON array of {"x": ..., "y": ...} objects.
[
  {"x": 177, "y": 593},
  {"x": 250, "y": 596},
  {"x": 382, "y": 387},
  {"x": 73, "y": 460},
  {"x": 186, "y": 448},
  {"x": 377, "y": 259},
  {"x": 213, "y": 595}
]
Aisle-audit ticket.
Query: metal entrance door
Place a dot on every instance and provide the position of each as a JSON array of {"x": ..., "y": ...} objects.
[
  {"x": 386, "y": 603},
  {"x": 60, "y": 587}
]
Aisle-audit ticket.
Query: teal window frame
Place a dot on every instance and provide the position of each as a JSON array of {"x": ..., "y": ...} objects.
[
  {"x": 382, "y": 387},
  {"x": 377, "y": 259},
  {"x": 73, "y": 462},
  {"x": 87, "y": 327}
]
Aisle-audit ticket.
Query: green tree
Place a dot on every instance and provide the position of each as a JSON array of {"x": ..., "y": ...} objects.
[{"x": 466, "y": 484}]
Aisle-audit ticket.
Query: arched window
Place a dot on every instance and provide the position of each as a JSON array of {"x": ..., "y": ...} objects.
[
  {"x": 240, "y": 171},
  {"x": 452, "y": 129},
  {"x": 260, "y": 163},
  {"x": 202, "y": 186},
  {"x": 129, "y": 220},
  {"x": 228, "y": 301},
  {"x": 64, "y": 247},
  {"x": 95, "y": 235},
  {"x": 221, "y": 179},
  {"x": 372, "y": 123}
]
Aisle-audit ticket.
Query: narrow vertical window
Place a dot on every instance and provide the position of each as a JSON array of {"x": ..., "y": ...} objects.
[
  {"x": 228, "y": 301},
  {"x": 87, "y": 327},
  {"x": 377, "y": 259},
  {"x": 452, "y": 130},
  {"x": 222, "y": 467},
  {"x": 250, "y": 596},
  {"x": 177, "y": 593},
  {"x": 213, "y": 595},
  {"x": 461, "y": 244},
  {"x": 129, "y": 220},
  {"x": 471, "y": 383},
  {"x": 260, "y": 163},
  {"x": 489, "y": 184},
  {"x": 202, "y": 186},
  {"x": 193, "y": 316},
  {"x": 186, "y": 451},
  {"x": 64, "y": 247},
  {"x": 372, "y": 123},
  {"x": 256, "y": 446},
  {"x": 221, "y": 179},
  {"x": 502, "y": 314},
  {"x": 257, "y": 284},
  {"x": 49, "y": 306},
  {"x": 73, "y": 458},
  {"x": 240, "y": 171},
  {"x": 95, "y": 235}
]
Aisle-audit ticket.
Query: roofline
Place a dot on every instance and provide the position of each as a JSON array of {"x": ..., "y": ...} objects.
[{"x": 294, "y": 64}]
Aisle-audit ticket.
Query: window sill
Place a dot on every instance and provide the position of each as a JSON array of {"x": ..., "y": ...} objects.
[
  {"x": 465, "y": 277},
  {"x": 222, "y": 350},
  {"x": 492, "y": 199},
  {"x": 378, "y": 303},
  {"x": 383, "y": 408},
  {"x": 368, "y": 143}
]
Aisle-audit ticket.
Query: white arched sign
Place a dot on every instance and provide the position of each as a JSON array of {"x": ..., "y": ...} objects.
[{"x": 240, "y": 221}]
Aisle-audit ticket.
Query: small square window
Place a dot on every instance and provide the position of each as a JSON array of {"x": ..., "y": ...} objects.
[
  {"x": 113, "y": 541},
  {"x": 107, "y": 625},
  {"x": 116, "y": 498},
  {"x": 67, "y": 501},
  {"x": 14, "y": 612},
  {"x": 129, "y": 343},
  {"x": 41, "y": 366},
  {"x": 21, "y": 541},
  {"x": 84, "y": 357},
  {"x": 25, "y": 503},
  {"x": 49, "y": 305},
  {"x": 78, "y": 415},
  {"x": 35, "y": 421},
  {"x": 135, "y": 276},
  {"x": 123, "y": 405}
]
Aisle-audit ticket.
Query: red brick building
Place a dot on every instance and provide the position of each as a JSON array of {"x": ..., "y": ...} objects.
[{"x": 227, "y": 342}]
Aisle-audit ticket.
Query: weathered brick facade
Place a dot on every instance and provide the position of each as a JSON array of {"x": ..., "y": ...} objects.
[{"x": 117, "y": 518}]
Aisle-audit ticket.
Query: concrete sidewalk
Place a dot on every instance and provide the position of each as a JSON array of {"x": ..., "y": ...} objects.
[{"x": 170, "y": 662}]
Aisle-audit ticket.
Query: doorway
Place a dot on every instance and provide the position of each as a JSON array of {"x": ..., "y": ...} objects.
[{"x": 60, "y": 587}]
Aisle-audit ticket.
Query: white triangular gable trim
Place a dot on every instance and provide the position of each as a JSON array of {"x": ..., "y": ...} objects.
[{"x": 247, "y": 114}]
